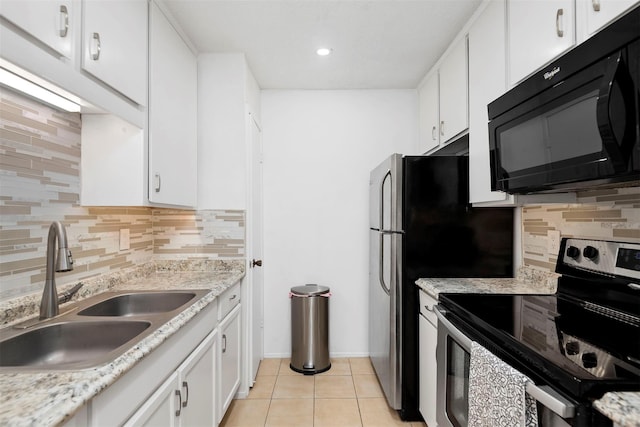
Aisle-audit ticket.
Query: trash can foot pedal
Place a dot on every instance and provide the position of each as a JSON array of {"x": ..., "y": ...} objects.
[{"x": 310, "y": 371}]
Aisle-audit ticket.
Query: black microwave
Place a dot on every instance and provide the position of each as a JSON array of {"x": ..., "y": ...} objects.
[{"x": 576, "y": 123}]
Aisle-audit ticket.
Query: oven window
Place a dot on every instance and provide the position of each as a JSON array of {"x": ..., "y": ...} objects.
[
  {"x": 565, "y": 132},
  {"x": 457, "y": 383}
]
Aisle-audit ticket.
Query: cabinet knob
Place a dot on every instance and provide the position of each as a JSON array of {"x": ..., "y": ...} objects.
[
  {"x": 596, "y": 5},
  {"x": 64, "y": 21},
  {"x": 256, "y": 263},
  {"x": 95, "y": 46}
]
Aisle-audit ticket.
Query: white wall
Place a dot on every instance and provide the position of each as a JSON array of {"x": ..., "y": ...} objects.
[{"x": 319, "y": 147}]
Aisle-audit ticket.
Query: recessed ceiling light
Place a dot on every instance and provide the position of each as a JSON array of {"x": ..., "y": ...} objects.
[{"x": 324, "y": 51}]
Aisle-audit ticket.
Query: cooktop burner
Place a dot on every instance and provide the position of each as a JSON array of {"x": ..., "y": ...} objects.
[{"x": 585, "y": 338}]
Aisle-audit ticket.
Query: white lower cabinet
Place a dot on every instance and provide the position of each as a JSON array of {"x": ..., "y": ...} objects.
[
  {"x": 428, "y": 336},
  {"x": 187, "y": 397},
  {"x": 229, "y": 351}
]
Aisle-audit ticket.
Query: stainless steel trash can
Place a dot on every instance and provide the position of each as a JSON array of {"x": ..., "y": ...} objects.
[{"x": 310, "y": 329}]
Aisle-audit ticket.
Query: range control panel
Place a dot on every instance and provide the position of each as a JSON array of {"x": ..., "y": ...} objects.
[{"x": 601, "y": 256}]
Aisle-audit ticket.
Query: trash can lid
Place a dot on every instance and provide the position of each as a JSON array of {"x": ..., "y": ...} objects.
[{"x": 309, "y": 290}]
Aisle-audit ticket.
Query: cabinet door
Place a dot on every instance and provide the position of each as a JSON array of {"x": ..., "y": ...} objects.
[
  {"x": 429, "y": 120},
  {"x": 50, "y": 22},
  {"x": 161, "y": 408},
  {"x": 538, "y": 32},
  {"x": 173, "y": 77},
  {"x": 487, "y": 81},
  {"x": 197, "y": 385},
  {"x": 601, "y": 12},
  {"x": 229, "y": 359},
  {"x": 114, "y": 45},
  {"x": 428, "y": 336},
  {"x": 454, "y": 91}
]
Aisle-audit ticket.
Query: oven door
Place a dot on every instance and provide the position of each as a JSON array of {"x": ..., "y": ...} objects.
[
  {"x": 583, "y": 129},
  {"x": 452, "y": 403}
]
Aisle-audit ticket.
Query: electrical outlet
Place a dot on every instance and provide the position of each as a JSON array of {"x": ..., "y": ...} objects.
[
  {"x": 553, "y": 242},
  {"x": 124, "y": 239}
]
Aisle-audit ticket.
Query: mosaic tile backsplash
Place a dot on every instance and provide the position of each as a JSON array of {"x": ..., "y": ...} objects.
[
  {"x": 612, "y": 214},
  {"x": 40, "y": 183}
]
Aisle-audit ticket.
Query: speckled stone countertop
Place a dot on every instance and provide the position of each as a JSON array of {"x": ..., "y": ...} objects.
[
  {"x": 49, "y": 398},
  {"x": 621, "y": 407},
  {"x": 528, "y": 281}
]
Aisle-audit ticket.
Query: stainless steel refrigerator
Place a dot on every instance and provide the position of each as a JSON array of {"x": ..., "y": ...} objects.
[{"x": 421, "y": 225}]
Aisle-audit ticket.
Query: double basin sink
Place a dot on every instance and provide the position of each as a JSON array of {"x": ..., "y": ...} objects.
[{"x": 94, "y": 332}]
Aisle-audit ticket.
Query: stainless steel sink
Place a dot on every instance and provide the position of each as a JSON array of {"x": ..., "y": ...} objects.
[
  {"x": 135, "y": 304},
  {"x": 92, "y": 332},
  {"x": 68, "y": 344}
]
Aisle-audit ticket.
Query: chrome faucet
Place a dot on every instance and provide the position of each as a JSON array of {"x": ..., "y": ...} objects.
[{"x": 63, "y": 262}]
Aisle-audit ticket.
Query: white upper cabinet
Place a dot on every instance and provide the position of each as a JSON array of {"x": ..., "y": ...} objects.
[
  {"x": 538, "y": 32},
  {"x": 487, "y": 81},
  {"x": 429, "y": 119},
  {"x": 599, "y": 13},
  {"x": 454, "y": 92},
  {"x": 173, "y": 99},
  {"x": 50, "y": 22},
  {"x": 443, "y": 98},
  {"x": 114, "y": 45}
]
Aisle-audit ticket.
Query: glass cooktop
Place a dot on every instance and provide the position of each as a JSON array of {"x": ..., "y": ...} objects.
[{"x": 580, "y": 345}]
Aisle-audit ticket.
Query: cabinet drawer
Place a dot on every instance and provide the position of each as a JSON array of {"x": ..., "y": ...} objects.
[
  {"x": 426, "y": 307},
  {"x": 228, "y": 300}
]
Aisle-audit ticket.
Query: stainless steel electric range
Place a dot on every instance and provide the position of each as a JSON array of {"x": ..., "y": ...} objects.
[{"x": 575, "y": 345}]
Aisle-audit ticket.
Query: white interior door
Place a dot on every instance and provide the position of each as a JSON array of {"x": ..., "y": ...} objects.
[{"x": 255, "y": 252}]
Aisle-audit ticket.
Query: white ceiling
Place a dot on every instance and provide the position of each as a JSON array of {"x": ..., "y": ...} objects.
[{"x": 377, "y": 44}]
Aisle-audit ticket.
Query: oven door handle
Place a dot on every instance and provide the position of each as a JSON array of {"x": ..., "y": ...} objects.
[
  {"x": 552, "y": 400},
  {"x": 547, "y": 396}
]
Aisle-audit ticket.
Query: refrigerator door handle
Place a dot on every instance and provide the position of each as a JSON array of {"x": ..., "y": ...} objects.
[
  {"x": 382, "y": 205},
  {"x": 385, "y": 288}
]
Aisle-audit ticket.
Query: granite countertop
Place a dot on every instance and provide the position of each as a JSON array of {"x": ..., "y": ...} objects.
[
  {"x": 623, "y": 408},
  {"x": 51, "y": 397}
]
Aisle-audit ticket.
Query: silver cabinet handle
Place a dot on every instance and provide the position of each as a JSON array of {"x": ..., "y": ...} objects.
[
  {"x": 224, "y": 343},
  {"x": 433, "y": 133},
  {"x": 426, "y": 307},
  {"x": 185, "y": 386},
  {"x": 179, "y": 410},
  {"x": 596, "y": 5},
  {"x": 442, "y": 128},
  {"x": 64, "y": 21},
  {"x": 95, "y": 46},
  {"x": 158, "y": 182},
  {"x": 559, "y": 15}
]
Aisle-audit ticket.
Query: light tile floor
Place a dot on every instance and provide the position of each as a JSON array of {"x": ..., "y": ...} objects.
[{"x": 346, "y": 395}]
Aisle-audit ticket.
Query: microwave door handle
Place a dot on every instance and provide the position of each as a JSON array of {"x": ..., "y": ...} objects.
[{"x": 618, "y": 151}]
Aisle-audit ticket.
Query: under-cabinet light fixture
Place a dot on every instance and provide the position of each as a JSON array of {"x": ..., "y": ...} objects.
[{"x": 13, "y": 81}]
